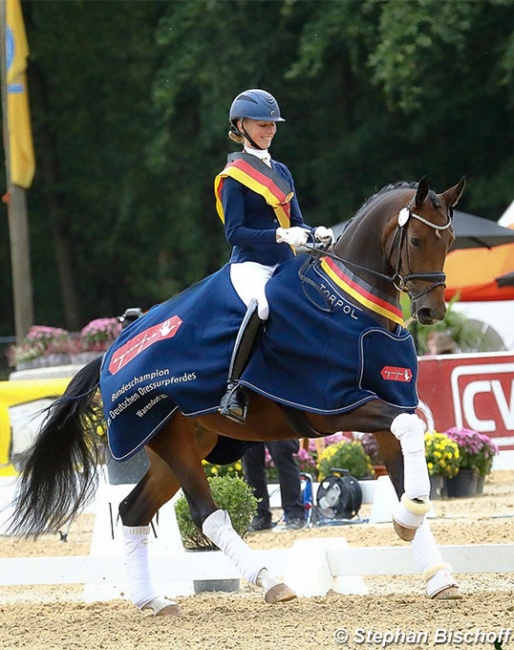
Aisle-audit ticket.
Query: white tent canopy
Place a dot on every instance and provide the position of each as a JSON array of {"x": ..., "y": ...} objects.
[{"x": 507, "y": 218}]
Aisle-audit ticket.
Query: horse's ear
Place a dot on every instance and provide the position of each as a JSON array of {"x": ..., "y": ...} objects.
[
  {"x": 451, "y": 197},
  {"x": 422, "y": 192}
]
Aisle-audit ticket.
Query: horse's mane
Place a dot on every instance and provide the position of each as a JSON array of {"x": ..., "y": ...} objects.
[
  {"x": 400, "y": 185},
  {"x": 385, "y": 190}
]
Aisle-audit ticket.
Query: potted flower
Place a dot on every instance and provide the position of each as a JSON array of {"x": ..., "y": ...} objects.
[
  {"x": 372, "y": 448},
  {"x": 349, "y": 455},
  {"x": 305, "y": 460},
  {"x": 477, "y": 452},
  {"x": 98, "y": 335},
  {"x": 232, "y": 494},
  {"x": 442, "y": 456},
  {"x": 271, "y": 470},
  {"x": 24, "y": 356},
  {"x": 42, "y": 346},
  {"x": 306, "y": 463}
]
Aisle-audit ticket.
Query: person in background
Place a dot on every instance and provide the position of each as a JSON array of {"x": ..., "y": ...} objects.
[
  {"x": 254, "y": 468},
  {"x": 441, "y": 343},
  {"x": 257, "y": 203}
]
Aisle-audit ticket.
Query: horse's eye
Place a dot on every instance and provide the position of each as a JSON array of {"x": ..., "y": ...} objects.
[{"x": 415, "y": 241}]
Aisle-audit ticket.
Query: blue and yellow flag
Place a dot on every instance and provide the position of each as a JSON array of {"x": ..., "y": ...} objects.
[{"x": 21, "y": 150}]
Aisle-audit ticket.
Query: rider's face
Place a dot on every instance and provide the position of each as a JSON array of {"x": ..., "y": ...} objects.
[{"x": 260, "y": 132}]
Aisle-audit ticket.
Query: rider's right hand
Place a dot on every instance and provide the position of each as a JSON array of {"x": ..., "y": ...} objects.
[{"x": 294, "y": 236}]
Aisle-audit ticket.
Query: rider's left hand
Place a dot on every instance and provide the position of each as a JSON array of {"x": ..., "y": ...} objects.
[{"x": 324, "y": 235}]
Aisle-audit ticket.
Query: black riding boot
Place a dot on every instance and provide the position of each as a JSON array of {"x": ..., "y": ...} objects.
[{"x": 234, "y": 404}]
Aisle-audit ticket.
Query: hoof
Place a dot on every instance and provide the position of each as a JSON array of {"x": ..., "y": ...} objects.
[
  {"x": 280, "y": 593},
  {"x": 407, "y": 534},
  {"x": 170, "y": 610},
  {"x": 163, "y": 607},
  {"x": 448, "y": 593}
]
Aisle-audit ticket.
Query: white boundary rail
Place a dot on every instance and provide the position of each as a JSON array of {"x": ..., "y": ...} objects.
[
  {"x": 213, "y": 565},
  {"x": 311, "y": 566}
]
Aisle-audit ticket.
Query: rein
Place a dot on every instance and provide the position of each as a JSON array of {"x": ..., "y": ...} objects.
[{"x": 435, "y": 278}]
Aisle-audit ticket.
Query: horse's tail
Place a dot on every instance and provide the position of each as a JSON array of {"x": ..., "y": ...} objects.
[{"x": 59, "y": 475}]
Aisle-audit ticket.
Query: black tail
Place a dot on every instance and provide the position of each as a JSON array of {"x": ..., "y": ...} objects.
[{"x": 59, "y": 475}]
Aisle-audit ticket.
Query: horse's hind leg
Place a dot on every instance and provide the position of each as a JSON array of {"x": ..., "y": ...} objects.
[
  {"x": 176, "y": 447},
  {"x": 136, "y": 512}
]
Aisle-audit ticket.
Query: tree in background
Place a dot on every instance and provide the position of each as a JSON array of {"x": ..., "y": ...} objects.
[{"x": 129, "y": 108}]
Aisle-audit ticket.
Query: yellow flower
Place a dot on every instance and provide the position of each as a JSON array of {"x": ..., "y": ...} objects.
[{"x": 442, "y": 454}]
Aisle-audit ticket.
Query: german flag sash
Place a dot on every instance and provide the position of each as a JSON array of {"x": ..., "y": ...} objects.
[
  {"x": 258, "y": 177},
  {"x": 361, "y": 291}
]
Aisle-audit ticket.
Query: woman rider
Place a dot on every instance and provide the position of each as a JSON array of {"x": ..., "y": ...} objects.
[{"x": 256, "y": 201}]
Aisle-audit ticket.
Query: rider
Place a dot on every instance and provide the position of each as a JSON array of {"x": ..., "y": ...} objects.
[{"x": 256, "y": 201}]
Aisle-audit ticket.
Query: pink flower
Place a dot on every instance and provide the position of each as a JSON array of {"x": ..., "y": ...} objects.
[
  {"x": 98, "y": 335},
  {"x": 476, "y": 449}
]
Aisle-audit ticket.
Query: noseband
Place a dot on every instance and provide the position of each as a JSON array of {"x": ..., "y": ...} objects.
[{"x": 400, "y": 282}]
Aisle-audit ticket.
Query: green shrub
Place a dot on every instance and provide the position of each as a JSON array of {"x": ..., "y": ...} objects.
[
  {"x": 348, "y": 455},
  {"x": 230, "y": 493}
]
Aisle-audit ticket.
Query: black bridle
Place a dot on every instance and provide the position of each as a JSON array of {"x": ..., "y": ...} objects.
[{"x": 399, "y": 281}]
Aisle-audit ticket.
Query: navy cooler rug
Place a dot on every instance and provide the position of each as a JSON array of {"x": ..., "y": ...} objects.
[
  {"x": 328, "y": 362},
  {"x": 177, "y": 355}
]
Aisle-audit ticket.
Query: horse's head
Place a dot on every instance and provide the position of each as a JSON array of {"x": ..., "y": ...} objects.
[
  {"x": 398, "y": 241},
  {"x": 416, "y": 241}
]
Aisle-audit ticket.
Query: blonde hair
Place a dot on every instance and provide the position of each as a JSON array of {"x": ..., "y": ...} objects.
[{"x": 236, "y": 137}]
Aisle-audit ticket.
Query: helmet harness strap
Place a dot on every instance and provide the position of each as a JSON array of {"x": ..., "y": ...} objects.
[{"x": 248, "y": 137}]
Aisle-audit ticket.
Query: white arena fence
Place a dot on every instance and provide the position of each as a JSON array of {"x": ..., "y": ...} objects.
[{"x": 311, "y": 567}]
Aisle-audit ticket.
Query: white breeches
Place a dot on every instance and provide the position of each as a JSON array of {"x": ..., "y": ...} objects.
[{"x": 249, "y": 280}]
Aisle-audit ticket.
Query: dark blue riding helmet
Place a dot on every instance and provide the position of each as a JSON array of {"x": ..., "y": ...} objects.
[{"x": 255, "y": 104}]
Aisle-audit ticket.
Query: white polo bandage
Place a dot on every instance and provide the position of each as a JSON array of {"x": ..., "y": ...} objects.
[
  {"x": 428, "y": 559},
  {"x": 409, "y": 430},
  {"x": 218, "y": 528},
  {"x": 135, "y": 540}
]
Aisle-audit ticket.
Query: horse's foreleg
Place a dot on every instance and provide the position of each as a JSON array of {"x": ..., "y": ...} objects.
[
  {"x": 218, "y": 528},
  {"x": 176, "y": 447},
  {"x": 437, "y": 573},
  {"x": 440, "y": 583},
  {"x": 414, "y": 503}
]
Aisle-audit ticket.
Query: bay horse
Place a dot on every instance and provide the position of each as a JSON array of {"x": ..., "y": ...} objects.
[{"x": 396, "y": 242}]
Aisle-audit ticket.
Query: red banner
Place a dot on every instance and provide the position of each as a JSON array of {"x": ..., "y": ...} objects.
[{"x": 475, "y": 391}]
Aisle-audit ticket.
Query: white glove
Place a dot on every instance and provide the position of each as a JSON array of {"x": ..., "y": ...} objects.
[
  {"x": 295, "y": 236},
  {"x": 324, "y": 235}
]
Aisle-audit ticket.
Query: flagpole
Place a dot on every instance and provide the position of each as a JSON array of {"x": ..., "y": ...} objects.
[{"x": 15, "y": 199}]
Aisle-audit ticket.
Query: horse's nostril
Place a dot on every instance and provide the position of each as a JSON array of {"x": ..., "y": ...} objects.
[{"x": 426, "y": 316}]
